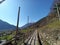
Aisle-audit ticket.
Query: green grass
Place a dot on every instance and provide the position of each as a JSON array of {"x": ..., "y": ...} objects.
[
  {"x": 26, "y": 30},
  {"x": 23, "y": 31},
  {"x": 55, "y": 24},
  {"x": 46, "y": 43},
  {"x": 7, "y": 37},
  {"x": 52, "y": 25}
]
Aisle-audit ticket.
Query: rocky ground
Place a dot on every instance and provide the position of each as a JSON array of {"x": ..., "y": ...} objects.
[{"x": 50, "y": 37}]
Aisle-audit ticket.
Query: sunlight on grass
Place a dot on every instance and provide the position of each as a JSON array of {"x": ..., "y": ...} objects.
[
  {"x": 55, "y": 24},
  {"x": 7, "y": 37},
  {"x": 52, "y": 25}
]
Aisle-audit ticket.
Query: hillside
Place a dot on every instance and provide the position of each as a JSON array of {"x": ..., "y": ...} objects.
[{"x": 4, "y": 25}]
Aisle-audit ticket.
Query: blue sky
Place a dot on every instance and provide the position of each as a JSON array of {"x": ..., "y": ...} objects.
[{"x": 35, "y": 9}]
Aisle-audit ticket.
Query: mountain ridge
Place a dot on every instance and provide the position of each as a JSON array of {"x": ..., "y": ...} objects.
[{"x": 6, "y": 26}]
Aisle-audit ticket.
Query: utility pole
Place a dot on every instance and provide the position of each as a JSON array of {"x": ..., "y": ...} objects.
[
  {"x": 27, "y": 19},
  {"x": 58, "y": 11},
  {"x": 18, "y": 20},
  {"x": 17, "y": 26},
  {"x": 56, "y": 7}
]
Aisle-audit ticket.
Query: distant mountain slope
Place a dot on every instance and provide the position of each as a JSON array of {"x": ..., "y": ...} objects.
[
  {"x": 27, "y": 25},
  {"x": 5, "y": 25}
]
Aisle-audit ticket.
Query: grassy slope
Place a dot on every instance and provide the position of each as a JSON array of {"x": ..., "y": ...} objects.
[
  {"x": 52, "y": 28},
  {"x": 55, "y": 24},
  {"x": 8, "y": 37},
  {"x": 52, "y": 25}
]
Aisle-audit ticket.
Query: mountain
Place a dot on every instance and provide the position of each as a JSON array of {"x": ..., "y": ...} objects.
[
  {"x": 5, "y": 26},
  {"x": 26, "y": 25}
]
